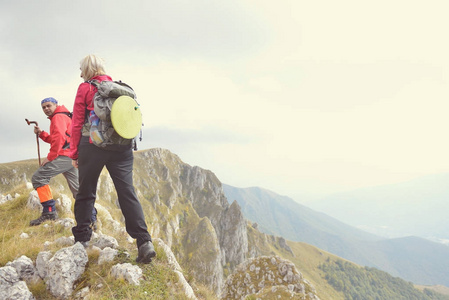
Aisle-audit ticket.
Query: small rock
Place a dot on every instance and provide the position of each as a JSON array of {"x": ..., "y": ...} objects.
[
  {"x": 33, "y": 201},
  {"x": 128, "y": 272},
  {"x": 24, "y": 235},
  {"x": 106, "y": 255},
  {"x": 104, "y": 241}
]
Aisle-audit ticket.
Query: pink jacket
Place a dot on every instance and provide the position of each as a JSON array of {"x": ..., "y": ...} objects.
[
  {"x": 59, "y": 136},
  {"x": 83, "y": 102}
]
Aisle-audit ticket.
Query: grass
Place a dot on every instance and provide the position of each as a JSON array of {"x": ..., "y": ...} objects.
[
  {"x": 306, "y": 259},
  {"x": 159, "y": 281}
]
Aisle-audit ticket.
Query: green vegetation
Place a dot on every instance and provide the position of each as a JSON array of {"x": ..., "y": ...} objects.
[
  {"x": 358, "y": 283},
  {"x": 159, "y": 281}
]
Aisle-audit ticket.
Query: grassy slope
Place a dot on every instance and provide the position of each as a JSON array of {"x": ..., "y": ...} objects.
[
  {"x": 159, "y": 281},
  {"x": 306, "y": 259}
]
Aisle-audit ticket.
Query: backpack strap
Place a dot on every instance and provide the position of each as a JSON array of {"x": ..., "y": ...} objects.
[
  {"x": 68, "y": 114},
  {"x": 67, "y": 143},
  {"x": 94, "y": 82}
]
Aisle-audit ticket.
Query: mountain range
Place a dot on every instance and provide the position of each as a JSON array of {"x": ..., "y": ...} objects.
[
  {"x": 417, "y": 207},
  {"x": 412, "y": 258}
]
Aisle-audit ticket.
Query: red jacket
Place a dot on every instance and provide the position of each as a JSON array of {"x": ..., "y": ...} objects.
[
  {"x": 83, "y": 102},
  {"x": 59, "y": 137}
]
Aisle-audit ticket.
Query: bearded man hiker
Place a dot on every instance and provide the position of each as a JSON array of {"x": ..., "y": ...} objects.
[{"x": 57, "y": 160}]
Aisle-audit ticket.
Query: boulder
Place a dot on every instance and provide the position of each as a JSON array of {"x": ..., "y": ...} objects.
[{"x": 64, "y": 268}]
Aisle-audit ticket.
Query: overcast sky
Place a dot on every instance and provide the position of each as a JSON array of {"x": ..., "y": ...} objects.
[{"x": 299, "y": 97}]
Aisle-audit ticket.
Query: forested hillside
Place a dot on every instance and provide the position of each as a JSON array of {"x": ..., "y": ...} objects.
[{"x": 371, "y": 284}]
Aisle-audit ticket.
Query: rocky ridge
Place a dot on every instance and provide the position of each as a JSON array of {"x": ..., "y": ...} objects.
[{"x": 187, "y": 211}]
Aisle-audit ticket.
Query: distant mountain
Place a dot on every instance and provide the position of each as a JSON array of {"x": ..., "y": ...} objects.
[
  {"x": 277, "y": 214},
  {"x": 419, "y": 207},
  {"x": 415, "y": 259}
]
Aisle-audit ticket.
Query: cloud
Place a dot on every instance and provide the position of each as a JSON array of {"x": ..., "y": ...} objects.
[{"x": 292, "y": 96}]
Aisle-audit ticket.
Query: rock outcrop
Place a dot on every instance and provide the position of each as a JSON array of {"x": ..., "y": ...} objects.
[
  {"x": 268, "y": 277},
  {"x": 220, "y": 228}
]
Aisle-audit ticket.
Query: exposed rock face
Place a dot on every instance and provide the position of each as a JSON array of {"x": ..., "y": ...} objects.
[
  {"x": 283, "y": 245},
  {"x": 268, "y": 277},
  {"x": 170, "y": 182},
  {"x": 204, "y": 253},
  {"x": 234, "y": 237}
]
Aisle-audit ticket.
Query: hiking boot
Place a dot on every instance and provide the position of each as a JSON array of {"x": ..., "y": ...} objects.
[
  {"x": 145, "y": 253},
  {"x": 51, "y": 215}
]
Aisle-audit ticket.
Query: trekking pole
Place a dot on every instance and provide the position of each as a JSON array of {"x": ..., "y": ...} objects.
[{"x": 37, "y": 140}]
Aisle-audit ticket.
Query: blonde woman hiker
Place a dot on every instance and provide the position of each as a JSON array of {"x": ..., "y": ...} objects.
[{"x": 90, "y": 161}]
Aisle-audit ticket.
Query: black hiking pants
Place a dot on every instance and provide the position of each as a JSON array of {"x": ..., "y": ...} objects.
[{"x": 119, "y": 164}]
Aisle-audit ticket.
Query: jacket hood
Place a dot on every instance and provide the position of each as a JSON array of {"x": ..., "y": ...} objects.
[{"x": 101, "y": 77}]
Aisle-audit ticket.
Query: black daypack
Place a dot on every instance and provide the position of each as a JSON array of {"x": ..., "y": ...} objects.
[{"x": 102, "y": 132}]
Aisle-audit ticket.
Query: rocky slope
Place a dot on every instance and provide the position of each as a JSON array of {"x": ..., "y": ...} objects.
[{"x": 185, "y": 207}]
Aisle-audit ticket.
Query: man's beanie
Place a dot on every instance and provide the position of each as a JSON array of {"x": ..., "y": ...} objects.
[{"x": 49, "y": 99}]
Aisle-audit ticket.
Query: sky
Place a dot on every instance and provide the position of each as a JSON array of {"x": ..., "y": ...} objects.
[{"x": 304, "y": 98}]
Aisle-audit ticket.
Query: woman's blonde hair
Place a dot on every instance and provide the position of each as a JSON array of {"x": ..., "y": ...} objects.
[{"x": 91, "y": 66}]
